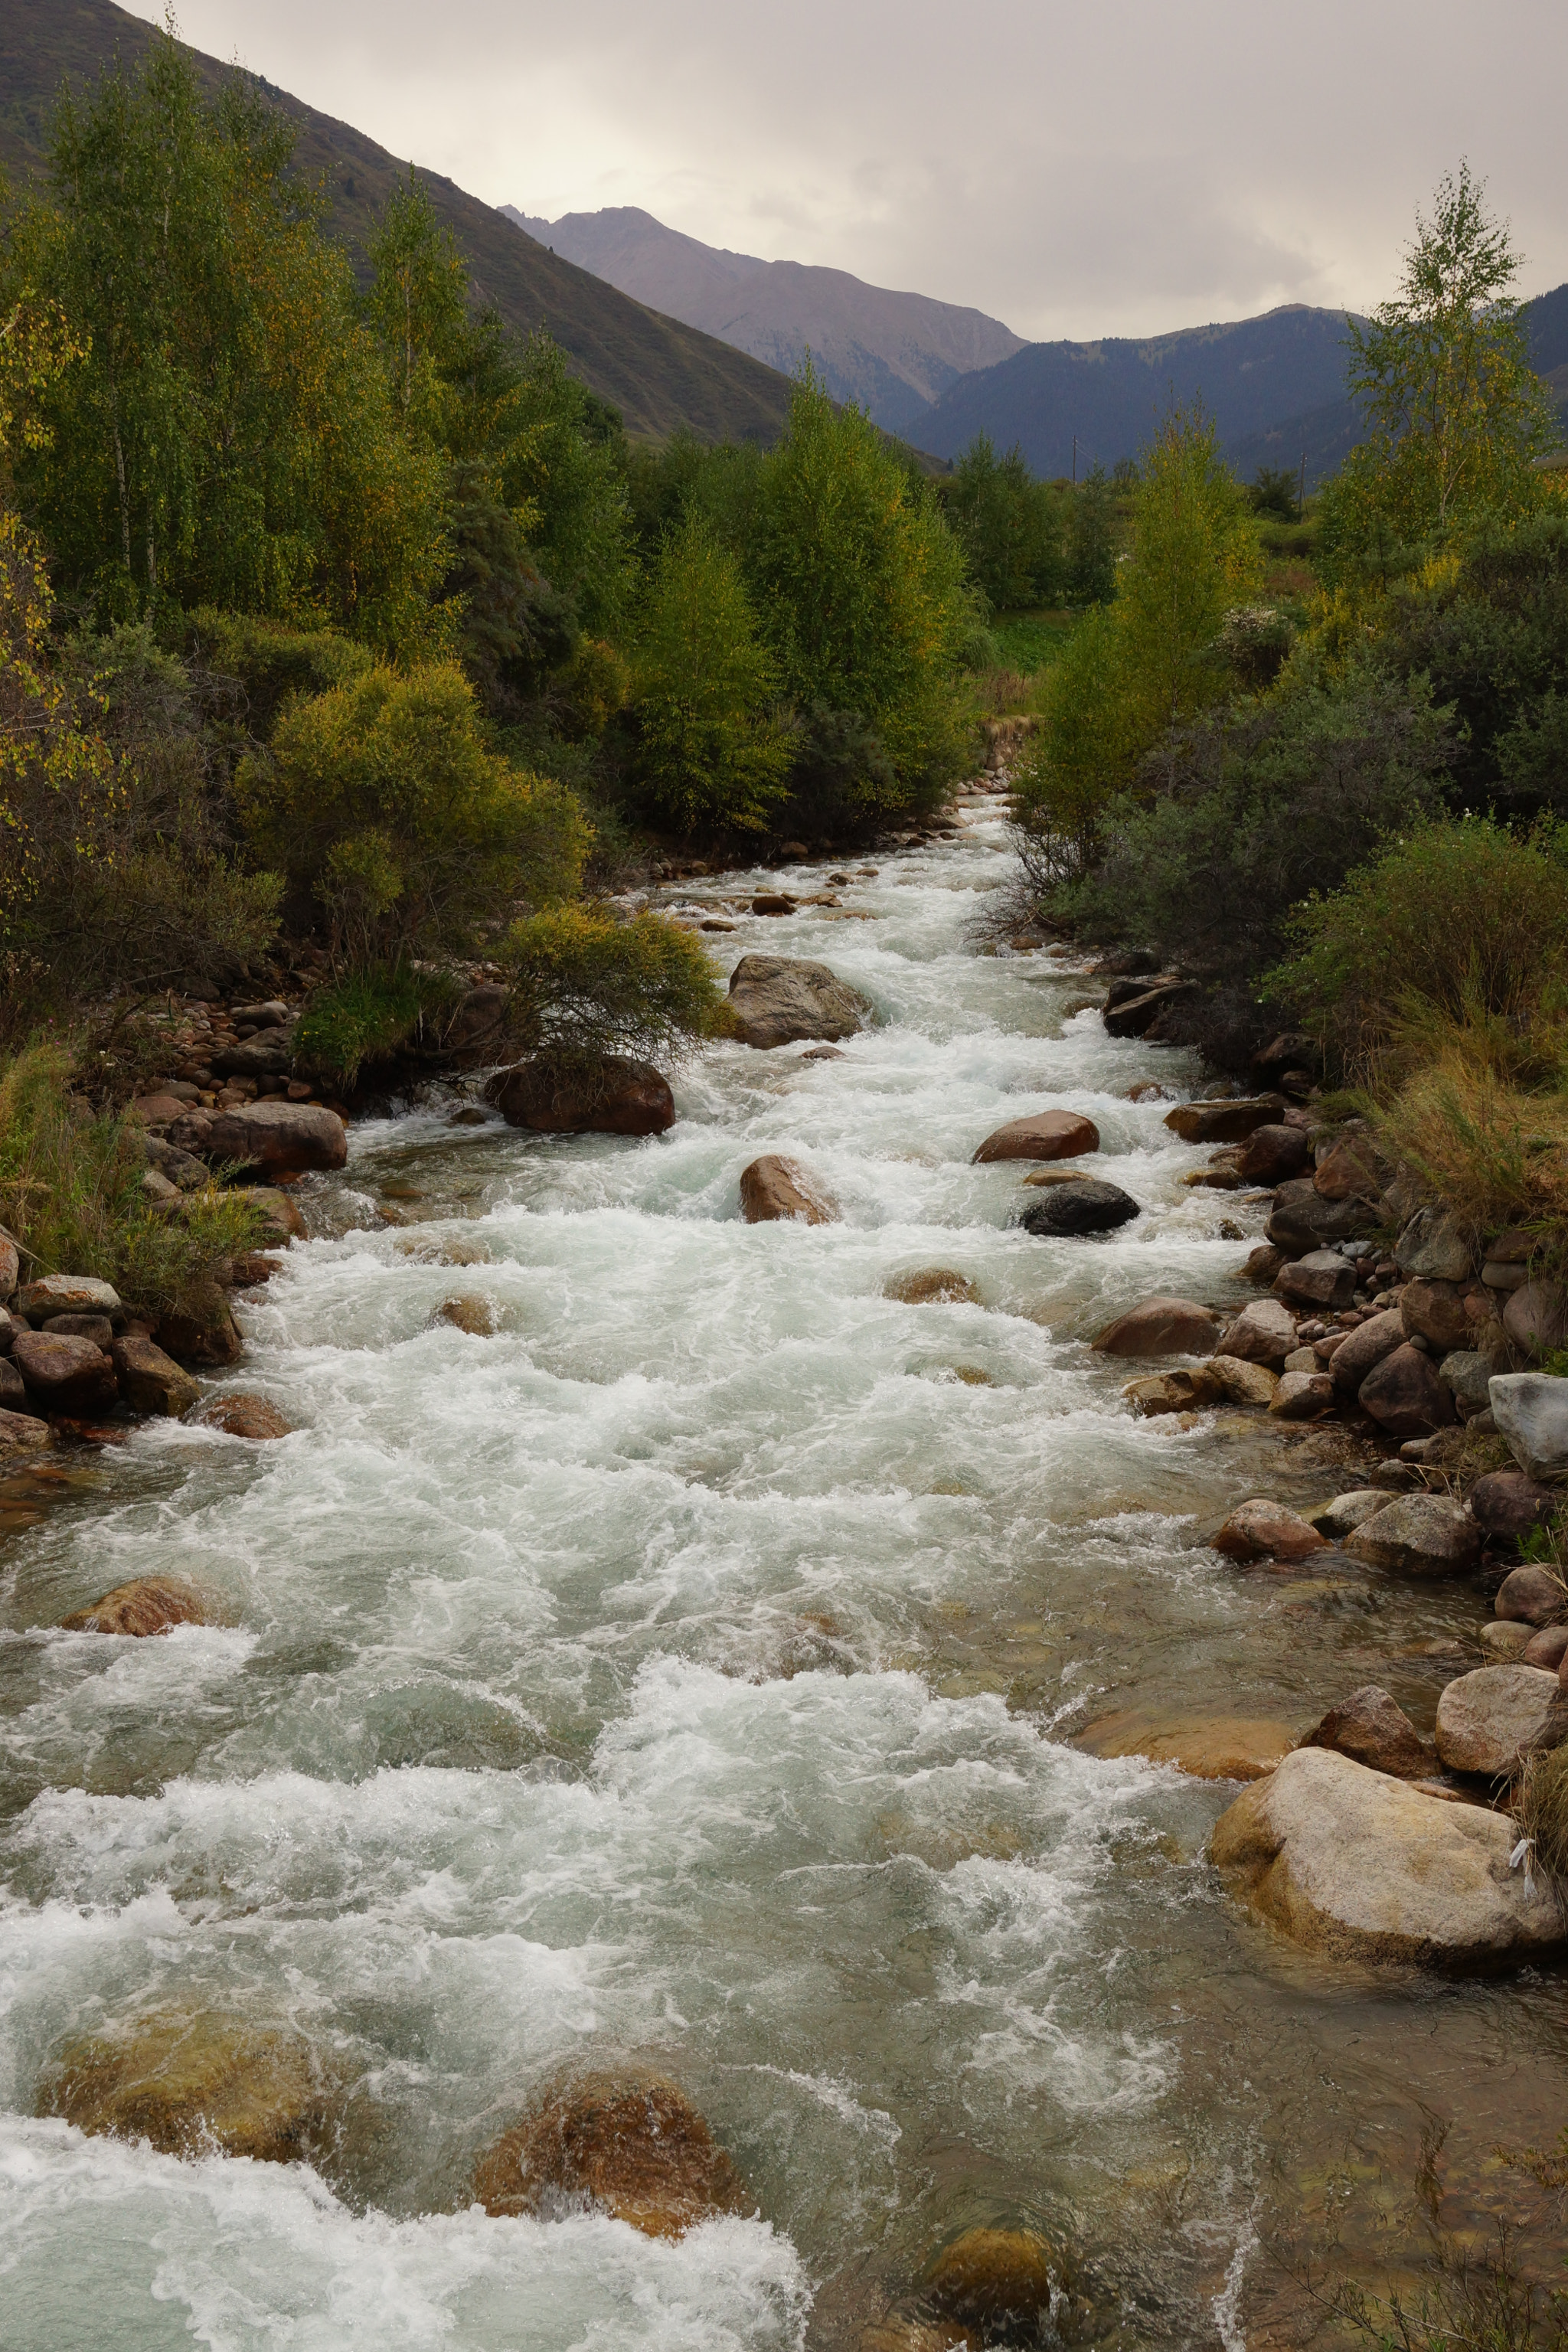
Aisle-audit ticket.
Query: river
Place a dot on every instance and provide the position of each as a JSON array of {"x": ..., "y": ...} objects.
[{"x": 687, "y": 1672}]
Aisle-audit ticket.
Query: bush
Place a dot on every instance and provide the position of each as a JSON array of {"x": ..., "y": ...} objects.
[
  {"x": 1012, "y": 529},
  {"x": 72, "y": 1195},
  {"x": 273, "y": 660},
  {"x": 585, "y": 986},
  {"x": 366, "y": 1016},
  {"x": 1079, "y": 755}
]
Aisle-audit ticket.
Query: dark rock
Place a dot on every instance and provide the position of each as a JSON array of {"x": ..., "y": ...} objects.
[
  {"x": 151, "y": 1381},
  {"x": 1263, "y": 1263},
  {"x": 1083, "y": 1206},
  {"x": 1301, "y": 1220},
  {"x": 149, "y": 1604},
  {"x": 1350, "y": 1170},
  {"x": 204, "y": 1331},
  {"x": 1374, "y": 1730},
  {"x": 479, "y": 1028},
  {"x": 1437, "y": 1312},
  {"x": 276, "y": 1136},
  {"x": 1293, "y": 1051},
  {"x": 775, "y": 1190},
  {"x": 778, "y": 1000},
  {"x": 1160, "y": 1327},
  {"x": 1043, "y": 1135},
  {"x": 1273, "y": 1155},
  {"x": 183, "y": 1169},
  {"x": 1319, "y": 1278},
  {"x": 1365, "y": 1348},
  {"x": 22, "y": 1433},
  {"x": 1000, "y": 2280},
  {"x": 1404, "y": 1394},
  {"x": 1508, "y": 1503},
  {"x": 268, "y": 1056},
  {"x": 96, "y": 1327},
  {"x": 1531, "y": 1596},
  {"x": 69, "y": 1376},
  {"x": 1137, "y": 1015},
  {"x": 1223, "y": 1122},
  {"x": 13, "y": 1387},
  {"x": 634, "y": 2145},
  {"x": 10, "y": 1265},
  {"x": 618, "y": 1097}
]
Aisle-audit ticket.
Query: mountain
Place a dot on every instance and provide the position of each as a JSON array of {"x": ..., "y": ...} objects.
[
  {"x": 892, "y": 353},
  {"x": 660, "y": 372}
]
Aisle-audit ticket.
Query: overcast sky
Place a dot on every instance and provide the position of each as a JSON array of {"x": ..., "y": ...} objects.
[{"x": 1108, "y": 167}]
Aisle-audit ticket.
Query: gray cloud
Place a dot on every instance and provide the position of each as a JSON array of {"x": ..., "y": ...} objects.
[{"x": 1118, "y": 167}]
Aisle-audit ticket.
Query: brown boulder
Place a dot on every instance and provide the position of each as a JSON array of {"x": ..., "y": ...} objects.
[
  {"x": 1301, "y": 1220},
  {"x": 1533, "y": 1596},
  {"x": 616, "y": 1098},
  {"x": 13, "y": 1389},
  {"x": 281, "y": 1214},
  {"x": 1222, "y": 1122},
  {"x": 933, "y": 1286},
  {"x": 1348, "y": 1171},
  {"x": 1158, "y": 1393},
  {"x": 275, "y": 1135},
  {"x": 1263, "y": 1333},
  {"x": 1261, "y": 1529},
  {"x": 1536, "y": 1318},
  {"x": 10, "y": 1265},
  {"x": 1437, "y": 1312},
  {"x": 1508, "y": 1503},
  {"x": 65, "y": 1375},
  {"x": 148, "y": 1604},
  {"x": 21, "y": 1433},
  {"x": 1320, "y": 1277},
  {"x": 1043, "y": 1135},
  {"x": 469, "y": 1313},
  {"x": 1374, "y": 1730},
  {"x": 202, "y": 1332},
  {"x": 1000, "y": 2280},
  {"x": 1160, "y": 1327},
  {"x": 66, "y": 1294},
  {"x": 1208, "y": 1748},
  {"x": 1134, "y": 1016},
  {"x": 778, "y": 1000},
  {"x": 1273, "y": 1155},
  {"x": 1546, "y": 1649},
  {"x": 189, "y": 2080},
  {"x": 1262, "y": 1263},
  {"x": 151, "y": 1381},
  {"x": 634, "y": 2144},
  {"x": 1404, "y": 1394},
  {"x": 1362, "y": 1350},
  {"x": 243, "y": 1416},
  {"x": 1301, "y": 1396},
  {"x": 774, "y": 1188}
]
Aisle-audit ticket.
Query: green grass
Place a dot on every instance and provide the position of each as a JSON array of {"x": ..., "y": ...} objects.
[{"x": 1031, "y": 641}]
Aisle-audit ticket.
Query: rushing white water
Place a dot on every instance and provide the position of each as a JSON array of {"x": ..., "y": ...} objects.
[{"x": 684, "y": 1672}]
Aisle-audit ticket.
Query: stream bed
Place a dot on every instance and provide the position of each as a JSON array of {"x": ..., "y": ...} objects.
[{"x": 685, "y": 1673}]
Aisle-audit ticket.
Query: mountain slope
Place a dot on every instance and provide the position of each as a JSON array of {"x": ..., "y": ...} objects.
[
  {"x": 894, "y": 353},
  {"x": 661, "y": 373}
]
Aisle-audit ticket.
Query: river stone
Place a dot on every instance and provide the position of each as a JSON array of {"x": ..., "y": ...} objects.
[
  {"x": 1084, "y": 1206},
  {"x": 1301, "y": 1396},
  {"x": 775, "y": 1190},
  {"x": 1467, "y": 1375},
  {"x": 1349, "y": 1172},
  {"x": 1433, "y": 1245},
  {"x": 1530, "y": 1410},
  {"x": 1435, "y": 1311},
  {"x": 275, "y": 1207},
  {"x": 1261, "y": 1530},
  {"x": 1533, "y": 1596},
  {"x": 13, "y": 1387},
  {"x": 1346, "y": 1512},
  {"x": 1418, "y": 1535},
  {"x": 1043, "y": 1135},
  {"x": 1404, "y": 1394},
  {"x": 10, "y": 1265},
  {"x": 1536, "y": 1318},
  {"x": 148, "y": 1604},
  {"x": 189, "y": 2080},
  {"x": 68, "y": 1376},
  {"x": 183, "y": 1169},
  {"x": 776, "y": 999},
  {"x": 243, "y": 1416},
  {"x": 1160, "y": 1327},
  {"x": 1371, "y": 1727},
  {"x": 1134, "y": 1016},
  {"x": 20, "y": 1433},
  {"x": 1546, "y": 1649},
  {"x": 202, "y": 1330},
  {"x": 1302, "y": 1359},
  {"x": 997, "y": 2280},
  {"x": 151, "y": 1381},
  {"x": 1263, "y": 1333},
  {"x": 1488, "y": 1721},
  {"x": 933, "y": 1286},
  {"x": 1273, "y": 1155},
  {"x": 275, "y": 1136},
  {"x": 1223, "y": 1122},
  {"x": 469, "y": 1312},
  {"x": 615, "y": 1096},
  {"x": 1240, "y": 1382},
  {"x": 1319, "y": 1278},
  {"x": 1508, "y": 1503},
  {"x": 1365, "y": 1348},
  {"x": 66, "y": 1294},
  {"x": 96, "y": 1327},
  {"x": 1505, "y": 1643},
  {"x": 907, "y": 2331},
  {"x": 1301, "y": 1220},
  {"x": 1364, "y": 1867},
  {"x": 1208, "y": 1748},
  {"x": 634, "y": 2144},
  {"x": 1158, "y": 1393}
]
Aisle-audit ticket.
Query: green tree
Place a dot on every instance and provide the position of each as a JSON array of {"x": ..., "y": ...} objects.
[
  {"x": 1009, "y": 526},
  {"x": 709, "y": 747},
  {"x": 1092, "y": 545},
  {"x": 1194, "y": 559}
]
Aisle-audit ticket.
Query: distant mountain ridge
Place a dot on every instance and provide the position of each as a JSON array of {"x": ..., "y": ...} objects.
[{"x": 893, "y": 353}]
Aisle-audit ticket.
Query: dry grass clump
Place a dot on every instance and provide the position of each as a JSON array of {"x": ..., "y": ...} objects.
[
  {"x": 1541, "y": 1810},
  {"x": 1495, "y": 1149}
]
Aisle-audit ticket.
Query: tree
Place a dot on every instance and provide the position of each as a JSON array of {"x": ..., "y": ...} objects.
[
  {"x": 1272, "y": 492},
  {"x": 1195, "y": 558},
  {"x": 1009, "y": 526},
  {"x": 1091, "y": 546}
]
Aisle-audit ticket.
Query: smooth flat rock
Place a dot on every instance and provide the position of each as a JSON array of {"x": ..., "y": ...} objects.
[
  {"x": 1043, "y": 1135},
  {"x": 1263, "y": 1333},
  {"x": 1345, "y": 1513},
  {"x": 1261, "y": 1529},
  {"x": 66, "y": 1294},
  {"x": 1404, "y": 1394},
  {"x": 1084, "y": 1206},
  {"x": 1320, "y": 1277},
  {"x": 1160, "y": 1327},
  {"x": 1240, "y": 1382},
  {"x": 1365, "y": 1349},
  {"x": 615, "y": 1098},
  {"x": 1530, "y": 1410},
  {"x": 1363, "y": 1867},
  {"x": 1418, "y": 1535},
  {"x": 774, "y": 1189},
  {"x": 778, "y": 1000},
  {"x": 1489, "y": 1721},
  {"x": 1372, "y": 1728},
  {"x": 1210, "y": 1748}
]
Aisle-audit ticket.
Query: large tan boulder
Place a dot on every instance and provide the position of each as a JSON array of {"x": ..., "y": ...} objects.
[
  {"x": 243, "y": 1416},
  {"x": 932, "y": 1285},
  {"x": 1489, "y": 1720},
  {"x": 147, "y": 1605},
  {"x": 1418, "y": 1535},
  {"x": 614, "y": 1098},
  {"x": 1209, "y": 1748},
  {"x": 774, "y": 1188},
  {"x": 189, "y": 2080},
  {"x": 1261, "y": 1529},
  {"x": 776, "y": 999},
  {"x": 633, "y": 2143},
  {"x": 1043, "y": 1135},
  {"x": 1160, "y": 1327},
  {"x": 1363, "y": 1867},
  {"x": 1240, "y": 1382},
  {"x": 276, "y": 1137}
]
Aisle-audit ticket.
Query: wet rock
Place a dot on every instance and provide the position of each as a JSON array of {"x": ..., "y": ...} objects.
[
  {"x": 281, "y": 1215},
  {"x": 1363, "y": 1867},
  {"x": 1546, "y": 1649},
  {"x": 1536, "y": 1318},
  {"x": 66, "y": 1294},
  {"x": 1209, "y": 1748},
  {"x": 1319, "y": 1278},
  {"x": 202, "y": 1332},
  {"x": 21, "y": 1433},
  {"x": 1489, "y": 1721},
  {"x": 825, "y": 1054},
  {"x": 634, "y": 2144},
  {"x": 777, "y": 1000},
  {"x": 63, "y": 1375},
  {"x": 151, "y": 1381},
  {"x": 1372, "y": 1728},
  {"x": 469, "y": 1313},
  {"x": 276, "y": 1136},
  {"x": 1160, "y": 1393},
  {"x": 1533, "y": 1596},
  {"x": 1263, "y": 1263},
  {"x": 1261, "y": 1529},
  {"x": 1273, "y": 1155},
  {"x": 1365, "y": 1349},
  {"x": 1418, "y": 1535},
  {"x": 1263, "y": 1333},
  {"x": 933, "y": 1286},
  {"x": 1301, "y": 1220},
  {"x": 1043, "y": 1135},
  {"x": 1301, "y": 1396},
  {"x": 1222, "y": 1122},
  {"x": 148, "y": 1604},
  {"x": 901, "y": 2331},
  {"x": 1404, "y": 1394},
  {"x": 1530, "y": 1410},
  {"x": 1084, "y": 1206},
  {"x": 775, "y": 1190},
  {"x": 1346, "y": 1512},
  {"x": 190, "y": 2079},
  {"x": 1434, "y": 1247},
  {"x": 1350, "y": 1170},
  {"x": 772, "y": 902},
  {"x": 243, "y": 1416},
  {"x": 1160, "y": 1327},
  {"x": 1135, "y": 1015},
  {"x": 1240, "y": 1382},
  {"x": 613, "y": 1097},
  {"x": 994, "y": 2279}
]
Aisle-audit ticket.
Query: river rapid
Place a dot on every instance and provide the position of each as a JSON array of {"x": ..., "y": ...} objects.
[{"x": 687, "y": 1673}]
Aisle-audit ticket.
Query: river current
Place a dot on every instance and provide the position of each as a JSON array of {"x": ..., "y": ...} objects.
[{"x": 687, "y": 1673}]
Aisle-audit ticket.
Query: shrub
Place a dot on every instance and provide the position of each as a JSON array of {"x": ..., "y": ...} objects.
[
  {"x": 273, "y": 660},
  {"x": 365, "y": 1017},
  {"x": 72, "y": 1193},
  {"x": 585, "y": 986},
  {"x": 1080, "y": 754}
]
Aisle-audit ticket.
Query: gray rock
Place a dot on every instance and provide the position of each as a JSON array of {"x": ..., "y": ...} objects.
[
  {"x": 1489, "y": 1721},
  {"x": 1263, "y": 1333},
  {"x": 776, "y": 999},
  {"x": 1404, "y": 1394},
  {"x": 1469, "y": 1375},
  {"x": 1319, "y": 1278},
  {"x": 1531, "y": 1595},
  {"x": 1536, "y": 1318},
  {"x": 1530, "y": 1410},
  {"x": 1346, "y": 1512},
  {"x": 1508, "y": 1503},
  {"x": 1083, "y": 1206},
  {"x": 181, "y": 1168},
  {"x": 1433, "y": 1245},
  {"x": 66, "y": 1294},
  {"x": 1301, "y": 1396},
  {"x": 1418, "y": 1535},
  {"x": 1302, "y": 1220},
  {"x": 1364, "y": 1867}
]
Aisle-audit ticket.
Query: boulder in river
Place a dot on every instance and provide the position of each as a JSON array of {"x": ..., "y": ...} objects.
[
  {"x": 1530, "y": 1410},
  {"x": 1533, "y": 1595},
  {"x": 65, "y": 1375},
  {"x": 1404, "y": 1394},
  {"x": 1224, "y": 1121},
  {"x": 1489, "y": 1721},
  {"x": 278, "y": 1137},
  {"x": 148, "y": 1604},
  {"x": 1346, "y": 1512},
  {"x": 1263, "y": 1333},
  {"x": 1418, "y": 1535},
  {"x": 1508, "y": 1503},
  {"x": 1085, "y": 1206},
  {"x": 776, "y": 999},
  {"x": 1158, "y": 1393},
  {"x": 1301, "y": 1220},
  {"x": 933, "y": 1286},
  {"x": 1208, "y": 1748},
  {"x": 1000, "y": 2281},
  {"x": 243, "y": 1416},
  {"x": 190, "y": 2080},
  {"x": 775, "y": 1190},
  {"x": 151, "y": 1381},
  {"x": 1043, "y": 1135},
  {"x": 1365, "y": 1867},
  {"x": 613, "y": 1096},
  {"x": 1372, "y": 1728},
  {"x": 202, "y": 1330},
  {"x": 1240, "y": 1382},
  {"x": 1302, "y": 1395},
  {"x": 1273, "y": 1155},
  {"x": 469, "y": 1313},
  {"x": 1261, "y": 1529},
  {"x": 1365, "y": 1349},
  {"x": 1160, "y": 1327},
  {"x": 21, "y": 1433},
  {"x": 633, "y": 2143}
]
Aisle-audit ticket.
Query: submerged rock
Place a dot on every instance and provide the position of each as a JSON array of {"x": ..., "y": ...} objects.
[
  {"x": 775, "y": 1190},
  {"x": 614, "y": 1098},
  {"x": 1489, "y": 1721},
  {"x": 1261, "y": 1529},
  {"x": 635, "y": 2143},
  {"x": 1209, "y": 1748},
  {"x": 193, "y": 2080},
  {"x": 469, "y": 1313},
  {"x": 994, "y": 2279},
  {"x": 147, "y": 1605},
  {"x": 1160, "y": 1327},
  {"x": 243, "y": 1416},
  {"x": 1083, "y": 1206},
  {"x": 1043, "y": 1135},
  {"x": 933, "y": 1286},
  {"x": 776, "y": 999},
  {"x": 1372, "y": 1728},
  {"x": 1364, "y": 1867}
]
